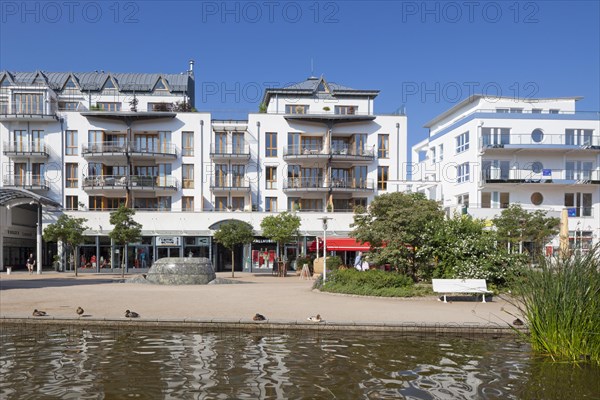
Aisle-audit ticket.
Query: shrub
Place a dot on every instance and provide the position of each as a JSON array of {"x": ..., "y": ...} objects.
[
  {"x": 561, "y": 302},
  {"x": 371, "y": 283}
]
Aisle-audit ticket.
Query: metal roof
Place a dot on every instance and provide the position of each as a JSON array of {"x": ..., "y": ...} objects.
[
  {"x": 14, "y": 197},
  {"x": 94, "y": 81}
]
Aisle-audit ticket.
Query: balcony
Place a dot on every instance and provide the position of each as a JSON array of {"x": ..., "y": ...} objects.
[
  {"x": 329, "y": 117},
  {"x": 299, "y": 153},
  {"x": 26, "y": 116},
  {"x": 546, "y": 176},
  {"x": 229, "y": 152},
  {"x": 353, "y": 153},
  {"x": 305, "y": 185},
  {"x": 352, "y": 185},
  {"x": 538, "y": 141},
  {"x": 136, "y": 151},
  {"x": 31, "y": 182},
  {"x": 26, "y": 150},
  {"x": 120, "y": 183},
  {"x": 229, "y": 184}
]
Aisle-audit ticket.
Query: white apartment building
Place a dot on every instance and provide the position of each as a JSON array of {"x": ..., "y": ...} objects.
[
  {"x": 91, "y": 141},
  {"x": 487, "y": 153}
]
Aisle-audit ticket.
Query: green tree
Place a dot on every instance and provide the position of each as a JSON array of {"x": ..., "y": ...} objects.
[
  {"x": 394, "y": 225},
  {"x": 516, "y": 225},
  {"x": 68, "y": 230},
  {"x": 126, "y": 230},
  {"x": 280, "y": 228},
  {"x": 231, "y": 234},
  {"x": 463, "y": 247}
]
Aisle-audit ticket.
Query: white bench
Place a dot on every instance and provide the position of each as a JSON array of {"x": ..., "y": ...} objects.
[{"x": 478, "y": 286}]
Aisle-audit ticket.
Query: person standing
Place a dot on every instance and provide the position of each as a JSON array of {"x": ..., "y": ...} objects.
[{"x": 30, "y": 263}]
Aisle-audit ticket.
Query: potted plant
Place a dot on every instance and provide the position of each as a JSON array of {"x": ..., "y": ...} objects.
[
  {"x": 329, "y": 207},
  {"x": 326, "y": 108}
]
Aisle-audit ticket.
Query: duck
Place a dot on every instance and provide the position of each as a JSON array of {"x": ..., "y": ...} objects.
[
  {"x": 38, "y": 313},
  {"x": 259, "y": 317},
  {"x": 79, "y": 311},
  {"x": 315, "y": 318},
  {"x": 131, "y": 314},
  {"x": 517, "y": 322}
]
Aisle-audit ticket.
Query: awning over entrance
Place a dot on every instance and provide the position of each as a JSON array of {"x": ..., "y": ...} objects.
[{"x": 340, "y": 244}]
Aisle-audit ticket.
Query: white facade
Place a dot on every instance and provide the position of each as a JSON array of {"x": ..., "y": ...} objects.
[
  {"x": 485, "y": 154},
  {"x": 78, "y": 140}
]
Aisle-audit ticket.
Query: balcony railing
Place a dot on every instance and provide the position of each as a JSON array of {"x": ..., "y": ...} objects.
[
  {"x": 124, "y": 148},
  {"x": 304, "y": 183},
  {"x": 30, "y": 148},
  {"x": 337, "y": 152},
  {"x": 531, "y": 141},
  {"x": 352, "y": 184},
  {"x": 304, "y": 151},
  {"x": 237, "y": 151},
  {"x": 230, "y": 183},
  {"x": 26, "y": 181},
  {"x": 134, "y": 182},
  {"x": 544, "y": 176}
]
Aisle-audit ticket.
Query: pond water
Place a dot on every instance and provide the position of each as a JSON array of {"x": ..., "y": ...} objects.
[{"x": 38, "y": 362}]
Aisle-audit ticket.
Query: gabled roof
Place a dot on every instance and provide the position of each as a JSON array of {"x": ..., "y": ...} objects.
[
  {"x": 311, "y": 87},
  {"x": 94, "y": 81}
]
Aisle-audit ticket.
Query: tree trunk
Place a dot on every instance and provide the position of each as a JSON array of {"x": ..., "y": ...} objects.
[
  {"x": 123, "y": 260},
  {"x": 232, "y": 265}
]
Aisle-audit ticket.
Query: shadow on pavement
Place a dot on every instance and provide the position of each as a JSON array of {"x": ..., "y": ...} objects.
[{"x": 54, "y": 282}]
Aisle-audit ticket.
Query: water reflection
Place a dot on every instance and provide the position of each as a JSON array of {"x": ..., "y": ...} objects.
[{"x": 37, "y": 362}]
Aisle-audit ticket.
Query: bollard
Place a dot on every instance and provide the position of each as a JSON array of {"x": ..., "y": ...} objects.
[{"x": 8, "y": 270}]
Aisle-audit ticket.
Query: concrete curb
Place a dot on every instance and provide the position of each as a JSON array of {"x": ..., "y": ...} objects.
[{"x": 249, "y": 325}]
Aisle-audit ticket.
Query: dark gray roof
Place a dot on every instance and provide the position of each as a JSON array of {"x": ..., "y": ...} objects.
[
  {"x": 310, "y": 87},
  {"x": 95, "y": 80}
]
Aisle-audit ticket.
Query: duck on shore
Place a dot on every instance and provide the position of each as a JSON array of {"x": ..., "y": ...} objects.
[
  {"x": 131, "y": 314},
  {"x": 39, "y": 313},
  {"x": 79, "y": 311},
  {"x": 259, "y": 317},
  {"x": 315, "y": 318}
]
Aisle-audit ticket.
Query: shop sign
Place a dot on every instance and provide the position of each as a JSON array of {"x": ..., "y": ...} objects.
[
  {"x": 168, "y": 241},
  {"x": 202, "y": 241}
]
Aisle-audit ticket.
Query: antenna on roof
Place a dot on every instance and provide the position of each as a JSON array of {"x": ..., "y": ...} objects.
[{"x": 312, "y": 67}]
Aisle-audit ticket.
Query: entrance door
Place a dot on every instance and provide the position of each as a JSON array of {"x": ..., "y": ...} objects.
[{"x": 168, "y": 252}]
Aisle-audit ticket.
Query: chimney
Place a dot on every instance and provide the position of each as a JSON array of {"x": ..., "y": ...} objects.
[{"x": 191, "y": 70}]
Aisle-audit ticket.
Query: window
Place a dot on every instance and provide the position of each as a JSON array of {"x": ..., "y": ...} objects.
[
  {"x": 293, "y": 174},
  {"x": 68, "y": 105},
  {"x": 382, "y": 177},
  {"x": 37, "y": 141},
  {"x": 271, "y": 143},
  {"x": 271, "y": 177},
  {"x": 187, "y": 203},
  {"x": 72, "y": 203},
  {"x": 71, "y": 143},
  {"x": 160, "y": 107},
  {"x": 495, "y": 137},
  {"x": 95, "y": 202},
  {"x": 37, "y": 173},
  {"x": 441, "y": 152},
  {"x": 164, "y": 203},
  {"x": 462, "y": 142},
  {"x": 359, "y": 177},
  {"x": 311, "y": 145},
  {"x": 346, "y": 110},
  {"x": 463, "y": 173},
  {"x": 554, "y": 111},
  {"x": 164, "y": 142},
  {"x": 537, "y": 135},
  {"x": 463, "y": 199},
  {"x": 237, "y": 174},
  {"x": 495, "y": 199},
  {"x": 28, "y": 103},
  {"x": 537, "y": 198},
  {"x": 578, "y": 137},
  {"x": 271, "y": 204},
  {"x": 502, "y": 110},
  {"x": 187, "y": 144},
  {"x": 579, "y": 170},
  {"x": 221, "y": 203},
  {"x": 220, "y": 143},
  {"x": 71, "y": 172},
  {"x": 237, "y": 203},
  {"x": 95, "y": 139},
  {"x": 237, "y": 141},
  {"x": 579, "y": 204},
  {"x": 220, "y": 175},
  {"x": 188, "y": 176},
  {"x": 433, "y": 155},
  {"x": 296, "y": 109},
  {"x": 106, "y": 106},
  {"x": 536, "y": 110},
  {"x": 360, "y": 144},
  {"x": 311, "y": 205},
  {"x": 383, "y": 146},
  {"x": 516, "y": 110}
]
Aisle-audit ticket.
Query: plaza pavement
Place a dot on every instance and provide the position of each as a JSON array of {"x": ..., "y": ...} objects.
[{"x": 285, "y": 302}]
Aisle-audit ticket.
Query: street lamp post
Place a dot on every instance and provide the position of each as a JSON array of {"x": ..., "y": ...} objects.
[{"x": 324, "y": 219}]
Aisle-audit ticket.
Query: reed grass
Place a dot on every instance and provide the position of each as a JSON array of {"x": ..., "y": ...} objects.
[{"x": 561, "y": 302}]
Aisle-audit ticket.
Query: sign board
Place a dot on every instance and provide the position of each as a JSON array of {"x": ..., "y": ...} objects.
[
  {"x": 168, "y": 241},
  {"x": 202, "y": 241}
]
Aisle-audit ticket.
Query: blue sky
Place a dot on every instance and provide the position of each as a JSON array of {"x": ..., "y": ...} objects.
[{"x": 426, "y": 56}]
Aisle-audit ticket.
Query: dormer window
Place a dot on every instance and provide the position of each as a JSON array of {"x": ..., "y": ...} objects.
[
  {"x": 108, "y": 84},
  {"x": 5, "y": 82},
  {"x": 346, "y": 110},
  {"x": 160, "y": 85},
  {"x": 39, "y": 80},
  {"x": 70, "y": 84}
]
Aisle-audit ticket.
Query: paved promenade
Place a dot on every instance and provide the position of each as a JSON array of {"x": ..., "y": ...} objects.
[{"x": 283, "y": 301}]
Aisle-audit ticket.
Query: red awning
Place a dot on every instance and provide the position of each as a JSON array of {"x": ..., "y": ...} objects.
[{"x": 340, "y": 244}]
